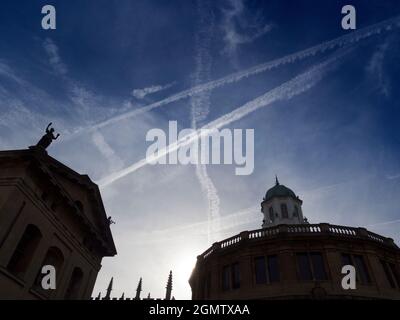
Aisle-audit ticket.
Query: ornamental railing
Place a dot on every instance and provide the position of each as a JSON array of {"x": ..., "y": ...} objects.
[{"x": 321, "y": 229}]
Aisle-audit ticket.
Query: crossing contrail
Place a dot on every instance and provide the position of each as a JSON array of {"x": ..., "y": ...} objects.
[
  {"x": 287, "y": 90},
  {"x": 200, "y": 104},
  {"x": 350, "y": 38}
]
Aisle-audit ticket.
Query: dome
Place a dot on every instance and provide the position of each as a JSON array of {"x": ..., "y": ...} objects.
[{"x": 279, "y": 190}]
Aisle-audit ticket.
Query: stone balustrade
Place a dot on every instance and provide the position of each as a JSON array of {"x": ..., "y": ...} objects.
[{"x": 320, "y": 229}]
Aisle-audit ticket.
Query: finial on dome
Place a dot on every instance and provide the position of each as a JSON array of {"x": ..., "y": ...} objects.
[{"x": 276, "y": 180}]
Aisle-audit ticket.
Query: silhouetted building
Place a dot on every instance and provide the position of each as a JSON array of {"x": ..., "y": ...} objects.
[
  {"x": 289, "y": 259},
  {"x": 49, "y": 215}
]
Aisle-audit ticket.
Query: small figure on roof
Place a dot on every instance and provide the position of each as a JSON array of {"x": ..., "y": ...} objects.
[
  {"x": 48, "y": 138},
  {"x": 110, "y": 221}
]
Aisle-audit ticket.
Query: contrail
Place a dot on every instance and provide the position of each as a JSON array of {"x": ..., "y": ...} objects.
[
  {"x": 114, "y": 162},
  {"x": 383, "y": 223},
  {"x": 393, "y": 177},
  {"x": 201, "y": 106},
  {"x": 228, "y": 222},
  {"x": 236, "y": 219},
  {"x": 213, "y": 201},
  {"x": 287, "y": 90},
  {"x": 342, "y": 41}
]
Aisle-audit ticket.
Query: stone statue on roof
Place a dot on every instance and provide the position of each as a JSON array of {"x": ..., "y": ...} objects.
[{"x": 48, "y": 138}]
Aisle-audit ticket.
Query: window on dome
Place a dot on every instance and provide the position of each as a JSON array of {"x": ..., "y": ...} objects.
[
  {"x": 296, "y": 211},
  {"x": 284, "y": 211},
  {"x": 271, "y": 214}
]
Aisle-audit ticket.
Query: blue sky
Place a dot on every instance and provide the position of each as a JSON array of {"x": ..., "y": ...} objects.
[{"x": 335, "y": 142}]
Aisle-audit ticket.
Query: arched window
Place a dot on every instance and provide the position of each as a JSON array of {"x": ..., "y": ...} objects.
[
  {"x": 74, "y": 284},
  {"x": 54, "y": 257},
  {"x": 271, "y": 214},
  {"x": 284, "y": 211},
  {"x": 24, "y": 251}
]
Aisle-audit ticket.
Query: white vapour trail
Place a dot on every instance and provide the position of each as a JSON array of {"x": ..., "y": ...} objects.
[
  {"x": 213, "y": 201},
  {"x": 392, "y": 177},
  {"x": 383, "y": 223},
  {"x": 342, "y": 41},
  {"x": 249, "y": 215},
  {"x": 141, "y": 93},
  {"x": 200, "y": 104},
  {"x": 227, "y": 223},
  {"x": 287, "y": 90},
  {"x": 114, "y": 162}
]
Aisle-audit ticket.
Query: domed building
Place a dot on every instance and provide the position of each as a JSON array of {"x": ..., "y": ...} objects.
[
  {"x": 290, "y": 258},
  {"x": 281, "y": 205}
]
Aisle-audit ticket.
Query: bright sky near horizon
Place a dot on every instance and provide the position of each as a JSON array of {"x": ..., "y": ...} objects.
[{"x": 323, "y": 103}]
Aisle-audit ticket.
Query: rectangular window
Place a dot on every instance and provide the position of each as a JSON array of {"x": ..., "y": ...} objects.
[
  {"x": 225, "y": 278},
  {"x": 388, "y": 274},
  {"x": 261, "y": 276},
  {"x": 235, "y": 276},
  {"x": 318, "y": 266},
  {"x": 362, "y": 269},
  {"x": 304, "y": 266},
  {"x": 284, "y": 211},
  {"x": 273, "y": 269}
]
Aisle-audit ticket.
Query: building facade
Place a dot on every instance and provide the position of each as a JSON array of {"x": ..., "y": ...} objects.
[
  {"x": 291, "y": 259},
  {"x": 49, "y": 215}
]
